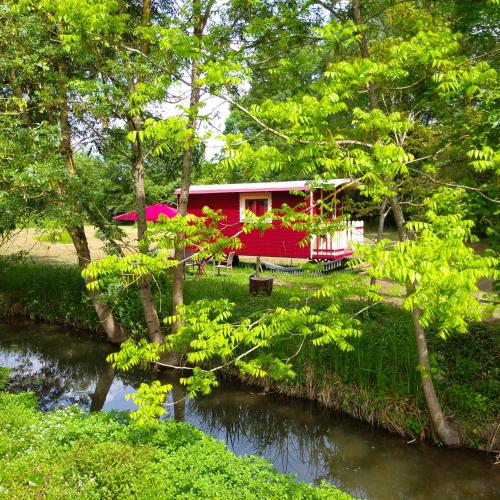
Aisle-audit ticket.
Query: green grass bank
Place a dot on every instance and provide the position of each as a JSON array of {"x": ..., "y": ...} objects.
[
  {"x": 70, "y": 454},
  {"x": 377, "y": 382}
]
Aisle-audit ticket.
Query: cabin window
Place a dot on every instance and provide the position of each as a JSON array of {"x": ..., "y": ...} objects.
[{"x": 257, "y": 203}]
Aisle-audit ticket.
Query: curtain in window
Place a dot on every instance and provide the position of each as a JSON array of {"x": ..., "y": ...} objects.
[{"x": 258, "y": 207}]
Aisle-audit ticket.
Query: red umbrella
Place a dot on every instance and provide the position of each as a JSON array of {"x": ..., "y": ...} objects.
[{"x": 152, "y": 213}]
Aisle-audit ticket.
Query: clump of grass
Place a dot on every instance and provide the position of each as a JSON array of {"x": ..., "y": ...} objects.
[
  {"x": 394, "y": 412},
  {"x": 55, "y": 293},
  {"x": 51, "y": 236}
]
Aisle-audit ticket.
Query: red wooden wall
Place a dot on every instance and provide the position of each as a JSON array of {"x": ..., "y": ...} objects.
[{"x": 277, "y": 242}]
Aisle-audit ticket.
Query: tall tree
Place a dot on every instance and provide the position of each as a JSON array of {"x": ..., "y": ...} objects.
[
  {"x": 365, "y": 115},
  {"x": 39, "y": 83},
  {"x": 199, "y": 14},
  {"x": 135, "y": 123}
]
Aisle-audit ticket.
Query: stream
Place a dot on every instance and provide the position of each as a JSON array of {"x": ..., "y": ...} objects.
[{"x": 299, "y": 437}]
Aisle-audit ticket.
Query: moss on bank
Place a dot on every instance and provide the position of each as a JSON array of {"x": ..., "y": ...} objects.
[{"x": 377, "y": 382}]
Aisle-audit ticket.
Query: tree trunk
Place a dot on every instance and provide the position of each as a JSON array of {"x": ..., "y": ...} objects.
[
  {"x": 399, "y": 218},
  {"x": 114, "y": 331},
  {"x": 446, "y": 433},
  {"x": 150, "y": 312},
  {"x": 363, "y": 45},
  {"x": 145, "y": 293},
  {"x": 199, "y": 21},
  {"x": 137, "y": 163},
  {"x": 380, "y": 230},
  {"x": 178, "y": 274}
]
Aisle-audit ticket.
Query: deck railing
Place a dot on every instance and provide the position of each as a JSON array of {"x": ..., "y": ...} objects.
[{"x": 338, "y": 244}]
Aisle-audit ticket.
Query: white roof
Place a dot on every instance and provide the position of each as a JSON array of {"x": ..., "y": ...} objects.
[{"x": 253, "y": 187}]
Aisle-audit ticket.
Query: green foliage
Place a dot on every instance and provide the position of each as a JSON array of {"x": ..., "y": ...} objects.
[
  {"x": 4, "y": 377},
  {"x": 387, "y": 99},
  {"x": 430, "y": 115},
  {"x": 201, "y": 382},
  {"x": 70, "y": 454},
  {"x": 209, "y": 333},
  {"x": 149, "y": 399},
  {"x": 381, "y": 364},
  {"x": 130, "y": 268},
  {"x": 437, "y": 267},
  {"x": 133, "y": 354},
  {"x": 52, "y": 232},
  {"x": 204, "y": 233},
  {"x": 485, "y": 159},
  {"x": 212, "y": 338},
  {"x": 115, "y": 273}
]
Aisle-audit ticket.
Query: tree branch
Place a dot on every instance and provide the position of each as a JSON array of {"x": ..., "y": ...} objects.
[
  {"x": 281, "y": 135},
  {"x": 454, "y": 185}
]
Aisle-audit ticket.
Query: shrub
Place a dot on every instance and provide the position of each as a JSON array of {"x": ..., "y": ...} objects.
[{"x": 69, "y": 454}]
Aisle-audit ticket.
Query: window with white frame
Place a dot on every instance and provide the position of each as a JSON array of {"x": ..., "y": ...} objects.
[{"x": 257, "y": 203}]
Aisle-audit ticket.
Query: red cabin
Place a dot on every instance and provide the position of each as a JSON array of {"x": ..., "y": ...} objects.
[{"x": 260, "y": 197}]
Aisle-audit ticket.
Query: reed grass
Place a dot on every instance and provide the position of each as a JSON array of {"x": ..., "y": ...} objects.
[{"x": 54, "y": 293}]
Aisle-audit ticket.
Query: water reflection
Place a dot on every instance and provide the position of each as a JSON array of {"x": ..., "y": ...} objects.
[
  {"x": 317, "y": 444},
  {"x": 176, "y": 400},
  {"x": 102, "y": 387},
  {"x": 297, "y": 436}
]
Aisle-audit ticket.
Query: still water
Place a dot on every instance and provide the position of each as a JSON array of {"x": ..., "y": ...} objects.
[{"x": 297, "y": 436}]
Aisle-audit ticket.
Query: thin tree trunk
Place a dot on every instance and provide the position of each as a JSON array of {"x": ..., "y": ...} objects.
[
  {"x": 381, "y": 220},
  {"x": 363, "y": 45},
  {"x": 145, "y": 292},
  {"x": 380, "y": 230},
  {"x": 114, "y": 331},
  {"x": 444, "y": 430},
  {"x": 137, "y": 163},
  {"x": 399, "y": 218},
  {"x": 178, "y": 275},
  {"x": 446, "y": 433}
]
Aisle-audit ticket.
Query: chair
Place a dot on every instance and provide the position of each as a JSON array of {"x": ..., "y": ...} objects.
[
  {"x": 226, "y": 264},
  {"x": 188, "y": 260}
]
